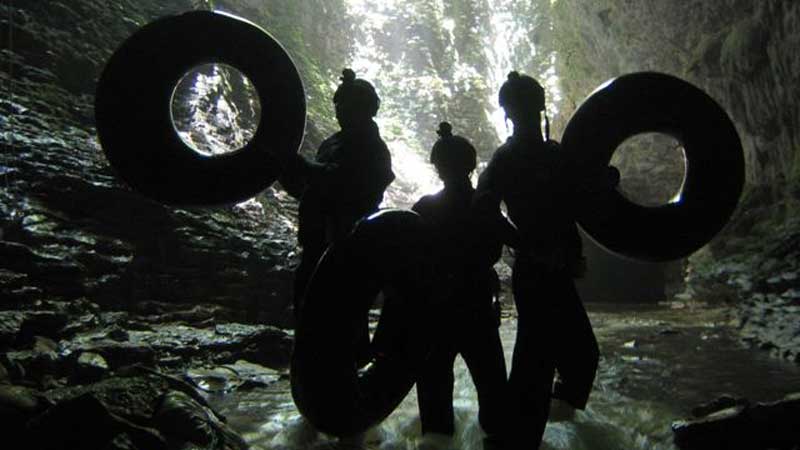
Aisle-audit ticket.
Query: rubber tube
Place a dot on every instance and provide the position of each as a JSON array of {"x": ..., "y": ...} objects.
[
  {"x": 133, "y": 109},
  {"x": 385, "y": 252},
  {"x": 654, "y": 102}
]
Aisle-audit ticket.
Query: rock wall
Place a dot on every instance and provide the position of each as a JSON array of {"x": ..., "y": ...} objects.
[
  {"x": 745, "y": 55},
  {"x": 69, "y": 229}
]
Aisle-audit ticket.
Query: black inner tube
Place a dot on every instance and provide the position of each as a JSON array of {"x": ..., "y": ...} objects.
[
  {"x": 654, "y": 102},
  {"x": 134, "y": 122},
  {"x": 385, "y": 252}
]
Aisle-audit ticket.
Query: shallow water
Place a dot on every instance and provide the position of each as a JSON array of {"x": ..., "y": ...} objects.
[{"x": 658, "y": 361}]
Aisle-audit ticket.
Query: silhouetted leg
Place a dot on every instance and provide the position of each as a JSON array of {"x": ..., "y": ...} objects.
[
  {"x": 532, "y": 367},
  {"x": 435, "y": 392},
  {"x": 577, "y": 359},
  {"x": 530, "y": 384},
  {"x": 483, "y": 354}
]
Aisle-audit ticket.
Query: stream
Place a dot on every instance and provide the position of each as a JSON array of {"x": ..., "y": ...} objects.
[{"x": 657, "y": 362}]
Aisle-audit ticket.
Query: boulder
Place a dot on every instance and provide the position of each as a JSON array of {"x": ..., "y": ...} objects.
[
  {"x": 773, "y": 425},
  {"x": 136, "y": 408}
]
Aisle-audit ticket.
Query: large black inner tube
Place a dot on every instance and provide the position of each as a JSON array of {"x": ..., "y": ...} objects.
[
  {"x": 654, "y": 102},
  {"x": 385, "y": 252},
  {"x": 133, "y": 109}
]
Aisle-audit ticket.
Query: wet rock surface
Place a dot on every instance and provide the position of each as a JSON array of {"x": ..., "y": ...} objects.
[
  {"x": 89, "y": 344},
  {"x": 757, "y": 275},
  {"x": 115, "y": 379},
  {"x": 142, "y": 408},
  {"x": 728, "y": 423}
]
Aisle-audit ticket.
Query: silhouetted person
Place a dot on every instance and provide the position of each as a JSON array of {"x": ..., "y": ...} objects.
[
  {"x": 553, "y": 331},
  {"x": 466, "y": 286},
  {"x": 345, "y": 182}
]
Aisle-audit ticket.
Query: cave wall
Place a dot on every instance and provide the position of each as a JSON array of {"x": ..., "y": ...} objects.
[
  {"x": 745, "y": 55},
  {"x": 69, "y": 229}
]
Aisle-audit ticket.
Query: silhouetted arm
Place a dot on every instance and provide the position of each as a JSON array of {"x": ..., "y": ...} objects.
[
  {"x": 361, "y": 178},
  {"x": 298, "y": 173},
  {"x": 486, "y": 206}
]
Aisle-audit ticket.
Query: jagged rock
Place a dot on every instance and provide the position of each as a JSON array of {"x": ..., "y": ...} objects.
[
  {"x": 118, "y": 334},
  {"x": 85, "y": 422},
  {"x": 91, "y": 349},
  {"x": 240, "y": 375},
  {"x": 10, "y": 324},
  {"x": 122, "y": 441},
  {"x": 38, "y": 364},
  {"x": 48, "y": 324},
  {"x": 720, "y": 430},
  {"x": 159, "y": 312},
  {"x": 759, "y": 426},
  {"x": 184, "y": 420},
  {"x": 19, "y": 404},
  {"x": 21, "y": 328},
  {"x": 136, "y": 408},
  {"x": 43, "y": 344},
  {"x": 718, "y": 404},
  {"x": 254, "y": 374},
  {"x": 779, "y": 421},
  {"x": 163, "y": 342},
  {"x": 89, "y": 367}
]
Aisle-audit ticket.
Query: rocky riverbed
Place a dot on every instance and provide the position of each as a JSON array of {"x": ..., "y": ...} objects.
[{"x": 75, "y": 376}]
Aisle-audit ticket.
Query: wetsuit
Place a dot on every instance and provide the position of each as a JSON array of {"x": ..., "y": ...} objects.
[
  {"x": 465, "y": 289},
  {"x": 352, "y": 170},
  {"x": 553, "y": 330}
]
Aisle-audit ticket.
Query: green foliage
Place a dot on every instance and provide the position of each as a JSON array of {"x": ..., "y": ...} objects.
[{"x": 316, "y": 35}]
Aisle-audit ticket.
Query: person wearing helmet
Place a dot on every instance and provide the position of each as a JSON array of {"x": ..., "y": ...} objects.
[
  {"x": 467, "y": 287},
  {"x": 529, "y": 174},
  {"x": 345, "y": 182}
]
